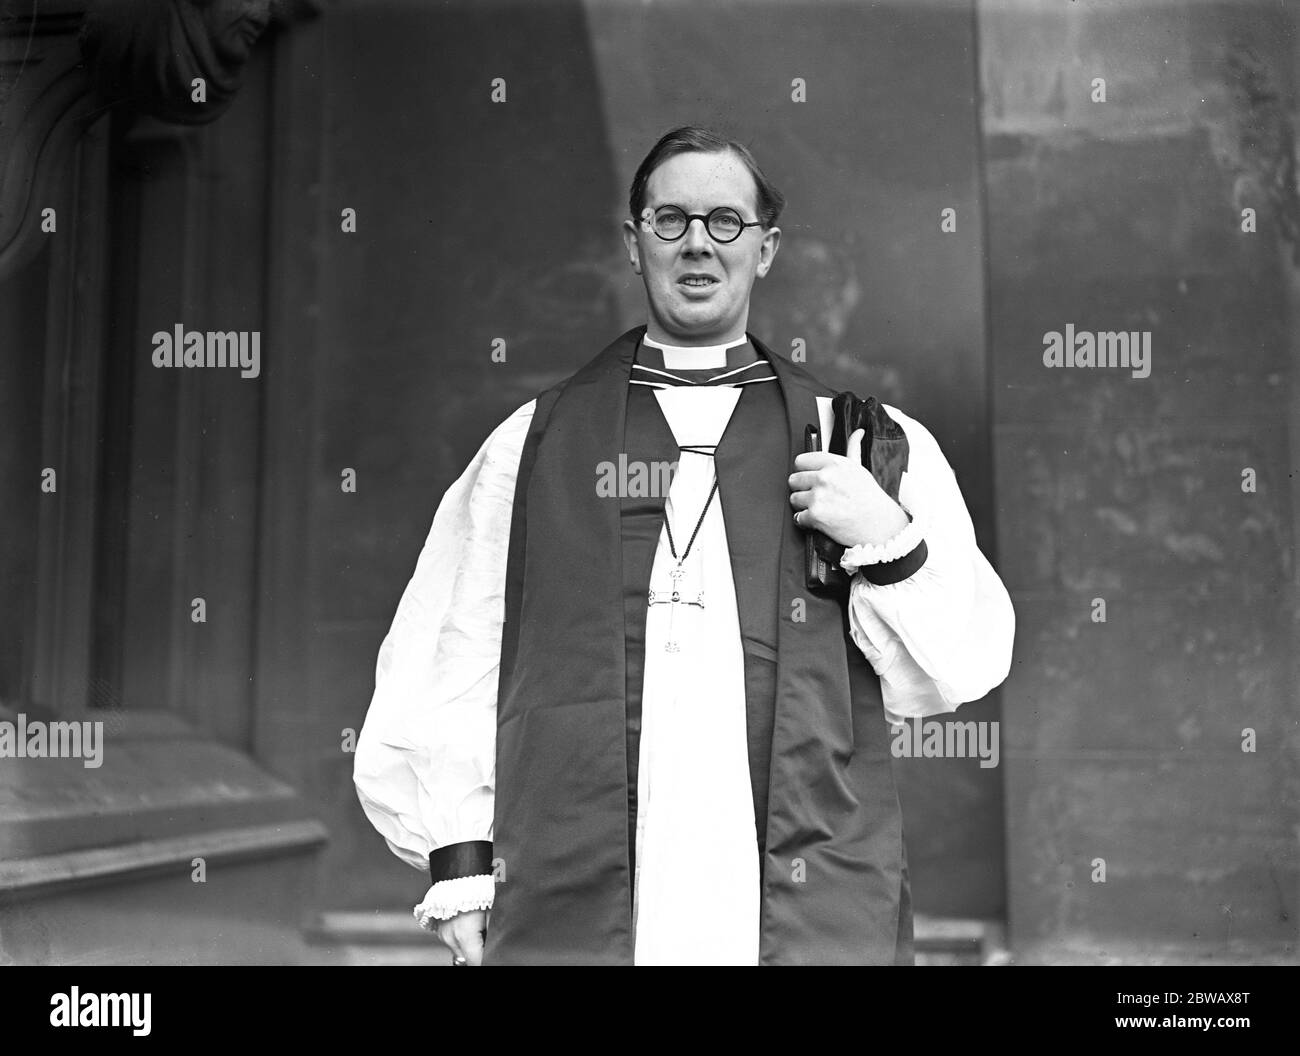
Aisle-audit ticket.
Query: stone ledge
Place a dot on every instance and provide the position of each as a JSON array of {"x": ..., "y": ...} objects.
[
  {"x": 49, "y": 873},
  {"x": 159, "y": 779}
]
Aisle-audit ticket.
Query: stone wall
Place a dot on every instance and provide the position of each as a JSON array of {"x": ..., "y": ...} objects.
[{"x": 1125, "y": 737}]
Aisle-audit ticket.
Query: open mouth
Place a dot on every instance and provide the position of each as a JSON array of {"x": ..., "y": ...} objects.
[{"x": 698, "y": 282}]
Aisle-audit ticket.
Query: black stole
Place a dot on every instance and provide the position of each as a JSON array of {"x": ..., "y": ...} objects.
[{"x": 833, "y": 871}]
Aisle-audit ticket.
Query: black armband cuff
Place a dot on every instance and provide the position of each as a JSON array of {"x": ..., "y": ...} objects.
[
  {"x": 467, "y": 858},
  {"x": 888, "y": 572}
]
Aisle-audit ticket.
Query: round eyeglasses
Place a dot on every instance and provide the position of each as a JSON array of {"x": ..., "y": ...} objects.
[{"x": 723, "y": 224}]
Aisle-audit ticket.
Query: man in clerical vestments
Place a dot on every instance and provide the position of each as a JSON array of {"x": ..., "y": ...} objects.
[{"x": 623, "y": 726}]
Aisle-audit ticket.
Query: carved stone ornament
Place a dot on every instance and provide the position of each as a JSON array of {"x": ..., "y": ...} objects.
[
  {"x": 180, "y": 61},
  {"x": 66, "y": 65}
]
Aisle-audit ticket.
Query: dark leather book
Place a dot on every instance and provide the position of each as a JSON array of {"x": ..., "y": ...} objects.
[{"x": 884, "y": 453}]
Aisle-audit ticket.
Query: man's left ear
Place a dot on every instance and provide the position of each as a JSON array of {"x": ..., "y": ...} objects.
[{"x": 767, "y": 250}]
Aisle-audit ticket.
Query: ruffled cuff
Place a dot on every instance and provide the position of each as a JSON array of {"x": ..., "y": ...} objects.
[
  {"x": 447, "y": 898},
  {"x": 891, "y": 561}
]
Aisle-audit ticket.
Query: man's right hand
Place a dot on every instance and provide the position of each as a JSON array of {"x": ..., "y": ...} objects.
[{"x": 464, "y": 933}]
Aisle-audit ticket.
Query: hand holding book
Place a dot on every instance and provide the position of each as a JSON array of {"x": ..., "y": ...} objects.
[{"x": 836, "y": 504}]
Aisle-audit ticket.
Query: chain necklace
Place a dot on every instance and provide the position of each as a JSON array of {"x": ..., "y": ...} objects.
[{"x": 676, "y": 573}]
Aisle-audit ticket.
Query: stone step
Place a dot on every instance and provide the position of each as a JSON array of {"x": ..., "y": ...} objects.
[{"x": 392, "y": 937}]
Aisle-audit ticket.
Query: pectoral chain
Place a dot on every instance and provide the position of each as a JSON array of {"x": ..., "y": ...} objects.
[{"x": 676, "y": 596}]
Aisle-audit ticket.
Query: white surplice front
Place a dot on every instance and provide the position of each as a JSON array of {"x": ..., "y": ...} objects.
[{"x": 697, "y": 870}]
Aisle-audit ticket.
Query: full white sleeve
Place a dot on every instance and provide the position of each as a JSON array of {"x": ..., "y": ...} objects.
[
  {"x": 943, "y": 636},
  {"x": 424, "y": 769}
]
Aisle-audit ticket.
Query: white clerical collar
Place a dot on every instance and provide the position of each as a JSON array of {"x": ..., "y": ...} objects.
[{"x": 704, "y": 357}]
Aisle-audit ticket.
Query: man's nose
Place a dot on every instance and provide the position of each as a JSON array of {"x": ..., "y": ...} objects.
[{"x": 696, "y": 239}]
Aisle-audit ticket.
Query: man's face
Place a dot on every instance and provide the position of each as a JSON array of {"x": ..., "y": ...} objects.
[{"x": 698, "y": 289}]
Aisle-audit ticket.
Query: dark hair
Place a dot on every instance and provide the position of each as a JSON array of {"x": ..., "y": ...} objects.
[{"x": 690, "y": 138}]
